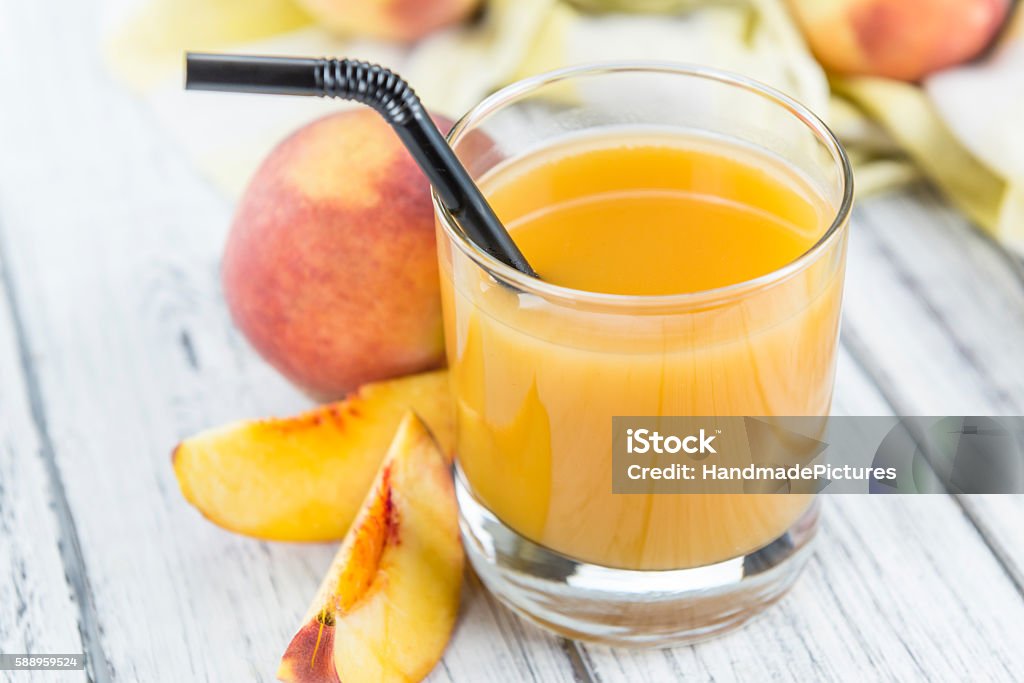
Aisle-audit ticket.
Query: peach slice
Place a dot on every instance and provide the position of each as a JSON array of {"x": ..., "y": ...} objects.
[
  {"x": 303, "y": 478},
  {"x": 386, "y": 608}
]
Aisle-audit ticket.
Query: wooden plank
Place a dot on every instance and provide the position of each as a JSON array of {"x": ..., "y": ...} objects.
[
  {"x": 115, "y": 243},
  {"x": 870, "y": 601},
  {"x": 933, "y": 310},
  {"x": 38, "y": 565},
  {"x": 882, "y": 594},
  {"x": 493, "y": 644},
  {"x": 998, "y": 519},
  {"x": 935, "y": 313}
]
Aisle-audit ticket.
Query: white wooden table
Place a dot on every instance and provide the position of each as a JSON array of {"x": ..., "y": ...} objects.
[{"x": 115, "y": 343}]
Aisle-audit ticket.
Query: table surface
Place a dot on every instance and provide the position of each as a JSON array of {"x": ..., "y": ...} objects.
[{"x": 115, "y": 344}]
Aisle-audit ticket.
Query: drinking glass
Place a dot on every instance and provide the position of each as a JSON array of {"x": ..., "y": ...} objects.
[{"x": 538, "y": 371}]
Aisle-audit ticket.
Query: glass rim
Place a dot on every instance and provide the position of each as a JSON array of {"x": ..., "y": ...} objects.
[{"x": 547, "y": 290}]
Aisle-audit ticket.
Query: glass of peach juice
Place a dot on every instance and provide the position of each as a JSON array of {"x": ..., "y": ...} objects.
[{"x": 689, "y": 230}]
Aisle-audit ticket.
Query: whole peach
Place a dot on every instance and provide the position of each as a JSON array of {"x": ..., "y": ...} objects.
[
  {"x": 330, "y": 268},
  {"x": 901, "y": 39}
]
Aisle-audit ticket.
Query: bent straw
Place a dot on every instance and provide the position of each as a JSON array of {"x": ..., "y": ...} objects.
[{"x": 392, "y": 98}]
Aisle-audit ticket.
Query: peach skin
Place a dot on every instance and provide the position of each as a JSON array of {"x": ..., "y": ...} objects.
[
  {"x": 403, "y": 20},
  {"x": 901, "y": 39}
]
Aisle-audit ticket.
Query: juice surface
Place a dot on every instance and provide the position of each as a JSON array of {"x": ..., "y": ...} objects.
[
  {"x": 646, "y": 216},
  {"x": 537, "y": 383}
]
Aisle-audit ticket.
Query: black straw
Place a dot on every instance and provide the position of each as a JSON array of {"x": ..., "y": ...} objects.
[{"x": 389, "y": 95}]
